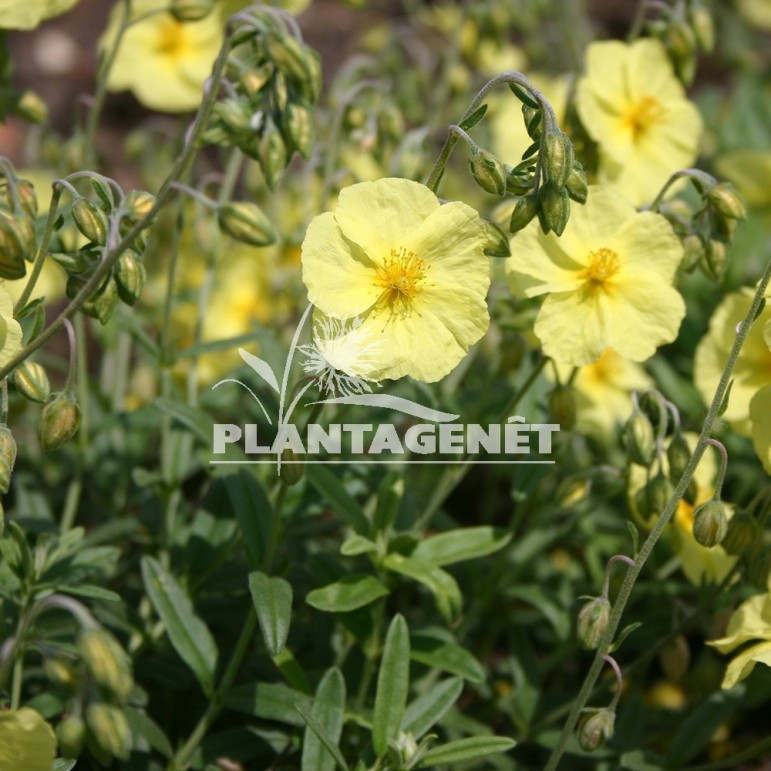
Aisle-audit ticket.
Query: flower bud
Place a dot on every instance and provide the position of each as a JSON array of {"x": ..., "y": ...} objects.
[
  {"x": 702, "y": 26},
  {"x": 292, "y": 468},
  {"x": 680, "y": 40},
  {"x": 678, "y": 455},
  {"x": 59, "y": 420},
  {"x": 102, "y": 303},
  {"x": 533, "y": 122},
  {"x": 592, "y": 622},
  {"x": 12, "y": 250},
  {"x": 130, "y": 277},
  {"x": 27, "y": 197},
  {"x": 524, "y": 210},
  {"x": 138, "y": 204},
  {"x": 253, "y": 79},
  {"x": 710, "y": 523},
  {"x": 299, "y": 128},
  {"x": 71, "y": 733},
  {"x": 191, "y": 10},
  {"x": 742, "y": 533},
  {"x": 246, "y": 223},
  {"x": 726, "y": 200},
  {"x": 715, "y": 260},
  {"x": 554, "y": 209},
  {"x": 110, "y": 729},
  {"x": 577, "y": 185},
  {"x": 693, "y": 251},
  {"x": 107, "y": 661},
  {"x": 488, "y": 171},
  {"x": 32, "y": 108},
  {"x": 289, "y": 55},
  {"x": 594, "y": 728},
  {"x": 7, "y": 457},
  {"x": 272, "y": 155},
  {"x": 497, "y": 244},
  {"x": 639, "y": 440},
  {"x": 91, "y": 221},
  {"x": 562, "y": 406},
  {"x": 559, "y": 157},
  {"x": 675, "y": 657},
  {"x": 518, "y": 182}
]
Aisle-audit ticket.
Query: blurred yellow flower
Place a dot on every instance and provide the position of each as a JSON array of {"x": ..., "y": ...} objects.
[
  {"x": 750, "y": 621},
  {"x": 633, "y": 106},
  {"x": 410, "y": 275},
  {"x": 608, "y": 281},
  {"x": 26, "y": 741},
  {"x": 164, "y": 62},
  {"x": 10, "y": 331},
  {"x": 604, "y": 392},
  {"x": 750, "y": 171},
  {"x": 757, "y": 12},
  {"x": 760, "y": 417},
  {"x": 753, "y": 368},
  {"x": 28, "y": 14}
]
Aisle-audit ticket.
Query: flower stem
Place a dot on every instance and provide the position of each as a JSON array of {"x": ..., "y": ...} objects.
[{"x": 661, "y": 523}]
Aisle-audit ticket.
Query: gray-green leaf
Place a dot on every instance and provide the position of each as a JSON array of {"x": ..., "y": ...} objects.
[{"x": 272, "y": 599}]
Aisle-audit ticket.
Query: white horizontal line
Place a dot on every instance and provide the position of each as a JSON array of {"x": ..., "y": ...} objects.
[{"x": 371, "y": 462}]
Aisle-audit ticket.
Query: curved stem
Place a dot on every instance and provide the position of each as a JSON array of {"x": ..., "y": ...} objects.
[
  {"x": 723, "y": 466},
  {"x": 666, "y": 515}
]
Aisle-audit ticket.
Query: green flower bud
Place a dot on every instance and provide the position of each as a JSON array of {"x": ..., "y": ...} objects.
[
  {"x": 272, "y": 155},
  {"x": 292, "y": 468},
  {"x": 59, "y": 420},
  {"x": 639, "y": 439},
  {"x": 715, "y": 260},
  {"x": 110, "y": 729},
  {"x": 675, "y": 657},
  {"x": 234, "y": 114},
  {"x": 107, "y": 661},
  {"x": 191, "y": 10},
  {"x": 280, "y": 92},
  {"x": 680, "y": 40},
  {"x": 311, "y": 86},
  {"x": 703, "y": 27},
  {"x": 138, "y": 204},
  {"x": 71, "y": 734},
  {"x": 759, "y": 566},
  {"x": 592, "y": 622},
  {"x": 7, "y": 456},
  {"x": 710, "y": 523},
  {"x": 130, "y": 277},
  {"x": 726, "y": 200},
  {"x": 562, "y": 406},
  {"x": 488, "y": 171},
  {"x": 32, "y": 108},
  {"x": 253, "y": 79},
  {"x": 60, "y": 671},
  {"x": 594, "y": 728},
  {"x": 300, "y": 130},
  {"x": 101, "y": 304},
  {"x": 12, "y": 249},
  {"x": 27, "y": 197},
  {"x": 742, "y": 533},
  {"x": 693, "y": 251},
  {"x": 91, "y": 221},
  {"x": 246, "y": 223},
  {"x": 554, "y": 209},
  {"x": 497, "y": 244},
  {"x": 678, "y": 455},
  {"x": 576, "y": 184},
  {"x": 558, "y": 158},
  {"x": 533, "y": 122},
  {"x": 517, "y": 182},
  {"x": 289, "y": 55},
  {"x": 524, "y": 210}
]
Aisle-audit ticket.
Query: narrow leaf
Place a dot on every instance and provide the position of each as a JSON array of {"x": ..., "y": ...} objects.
[
  {"x": 329, "y": 710},
  {"x": 253, "y": 511},
  {"x": 440, "y": 583},
  {"x": 462, "y": 544},
  {"x": 464, "y": 750},
  {"x": 188, "y": 634},
  {"x": 332, "y": 489},
  {"x": 269, "y": 701},
  {"x": 474, "y": 118},
  {"x": 524, "y": 96},
  {"x": 427, "y": 710},
  {"x": 144, "y": 726},
  {"x": 272, "y": 597},
  {"x": 193, "y": 418},
  {"x": 262, "y": 368},
  {"x": 318, "y": 729},
  {"x": 448, "y": 657},
  {"x": 392, "y": 685},
  {"x": 349, "y": 593}
]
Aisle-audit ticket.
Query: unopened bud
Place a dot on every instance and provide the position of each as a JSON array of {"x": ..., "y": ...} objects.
[
  {"x": 742, "y": 533},
  {"x": 71, "y": 734},
  {"x": 91, "y": 221},
  {"x": 518, "y": 182},
  {"x": 12, "y": 250},
  {"x": 110, "y": 729},
  {"x": 235, "y": 115},
  {"x": 60, "y": 671},
  {"x": 289, "y": 55},
  {"x": 533, "y": 123},
  {"x": 715, "y": 260},
  {"x": 130, "y": 277},
  {"x": 639, "y": 439},
  {"x": 32, "y": 108},
  {"x": 577, "y": 185},
  {"x": 253, "y": 79},
  {"x": 559, "y": 157},
  {"x": 726, "y": 200},
  {"x": 594, "y": 728},
  {"x": 703, "y": 27},
  {"x": 562, "y": 406},
  {"x": 292, "y": 467},
  {"x": 675, "y": 657},
  {"x": 300, "y": 128},
  {"x": 592, "y": 622},
  {"x": 497, "y": 244},
  {"x": 101, "y": 304},
  {"x": 680, "y": 40},
  {"x": 138, "y": 204},
  {"x": 272, "y": 155},
  {"x": 524, "y": 210},
  {"x": 59, "y": 420},
  {"x": 710, "y": 523},
  {"x": 27, "y": 197},
  {"x": 693, "y": 251},
  {"x": 246, "y": 223},
  {"x": 488, "y": 171},
  {"x": 107, "y": 662},
  {"x": 554, "y": 209},
  {"x": 190, "y": 10},
  {"x": 678, "y": 455},
  {"x": 7, "y": 457}
]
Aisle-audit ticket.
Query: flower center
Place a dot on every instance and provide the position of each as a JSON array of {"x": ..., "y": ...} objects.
[
  {"x": 642, "y": 115},
  {"x": 603, "y": 265},
  {"x": 172, "y": 39},
  {"x": 400, "y": 278}
]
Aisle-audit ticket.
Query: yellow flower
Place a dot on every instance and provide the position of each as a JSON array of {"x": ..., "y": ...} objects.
[
  {"x": 409, "y": 273},
  {"x": 608, "y": 281},
  {"x": 633, "y": 106},
  {"x": 750, "y": 171},
  {"x": 28, "y": 14},
  {"x": 164, "y": 62},
  {"x": 760, "y": 416},
  {"x": 757, "y": 12},
  {"x": 10, "y": 331},
  {"x": 604, "y": 392},
  {"x": 750, "y": 621},
  {"x": 26, "y": 741},
  {"x": 753, "y": 368}
]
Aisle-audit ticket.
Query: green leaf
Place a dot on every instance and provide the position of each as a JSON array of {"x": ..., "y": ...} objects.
[
  {"x": 448, "y": 657},
  {"x": 392, "y": 685},
  {"x": 63, "y": 764},
  {"x": 474, "y": 118},
  {"x": 148, "y": 729},
  {"x": 188, "y": 634},
  {"x": 465, "y": 543},
  {"x": 269, "y": 701},
  {"x": 623, "y": 634},
  {"x": 641, "y": 761},
  {"x": 332, "y": 489},
  {"x": 90, "y": 591},
  {"x": 540, "y": 600},
  {"x": 349, "y": 593},
  {"x": 524, "y": 96},
  {"x": 253, "y": 511},
  {"x": 440, "y": 583},
  {"x": 192, "y": 417},
  {"x": 430, "y": 708},
  {"x": 318, "y": 729},
  {"x": 329, "y": 710},
  {"x": 272, "y": 599},
  {"x": 357, "y": 544},
  {"x": 464, "y": 750}
]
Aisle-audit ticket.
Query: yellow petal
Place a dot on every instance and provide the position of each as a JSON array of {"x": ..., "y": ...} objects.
[
  {"x": 744, "y": 663},
  {"x": 760, "y": 416},
  {"x": 28, "y": 14},
  {"x": 26, "y": 741},
  {"x": 750, "y": 621},
  {"x": 10, "y": 330}
]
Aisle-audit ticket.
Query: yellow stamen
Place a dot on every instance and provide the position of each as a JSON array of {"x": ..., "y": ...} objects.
[
  {"x": 603, "y": 265},
  {"x": 400, "y": 277},
  {"x": 642, "y": 115},
  {"x": 173, "y": 40}
]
